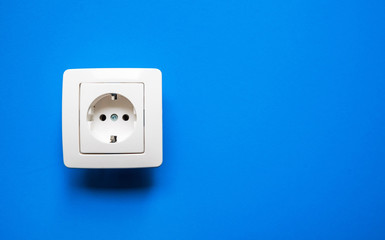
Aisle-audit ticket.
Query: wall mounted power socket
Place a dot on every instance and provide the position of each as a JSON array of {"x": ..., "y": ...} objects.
[{"x": 112, "y": 118}]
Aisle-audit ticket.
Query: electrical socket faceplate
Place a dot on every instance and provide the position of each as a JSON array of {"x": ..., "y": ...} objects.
[{"x": 112, "y": 118}]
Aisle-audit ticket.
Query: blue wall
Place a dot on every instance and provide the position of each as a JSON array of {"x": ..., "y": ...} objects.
[{"x": 274, "y": 122}]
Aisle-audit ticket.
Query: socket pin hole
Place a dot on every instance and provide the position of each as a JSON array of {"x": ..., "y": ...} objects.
[
  {"x": 126, "y": 117},
  {"x": 102, "y": 117}
]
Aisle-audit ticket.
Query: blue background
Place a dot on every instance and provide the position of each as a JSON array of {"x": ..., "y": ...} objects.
[{"x": 274, "y": 123}]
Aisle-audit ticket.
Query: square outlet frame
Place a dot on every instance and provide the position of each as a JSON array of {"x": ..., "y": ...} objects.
[{"x": 152, "y": 105}]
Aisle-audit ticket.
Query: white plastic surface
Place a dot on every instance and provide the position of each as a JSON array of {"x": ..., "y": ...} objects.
[
  {"x": 96, "y": 99},
  {"x": 138, "y": 143}
]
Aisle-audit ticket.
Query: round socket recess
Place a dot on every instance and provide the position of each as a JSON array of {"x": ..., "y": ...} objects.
[{"x": 111, "y": 118}]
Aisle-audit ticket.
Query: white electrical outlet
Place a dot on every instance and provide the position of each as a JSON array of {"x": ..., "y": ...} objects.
[{"x": 112, "y": 118}]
